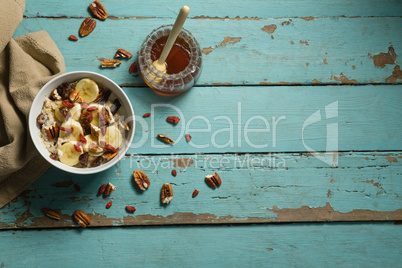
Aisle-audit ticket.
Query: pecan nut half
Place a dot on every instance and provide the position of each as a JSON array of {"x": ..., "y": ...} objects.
[
  {"x": 109, "y": 189},
  {"x": 98, "y": 10},
  {"x": 52, "y": 132},
  {"x": 87, "y": 26},
  {"x": 110, "y": 63},
  {"x": 166, "y": 193},
  {"x": 213, "y": 180},
  {"x": 141, "y": 179},
  {"x": 122, "y": 53},
  {"x": 165, "y": 139},
  {"x": 81, "y": 218},
  {"x": 51, "y": 213}
]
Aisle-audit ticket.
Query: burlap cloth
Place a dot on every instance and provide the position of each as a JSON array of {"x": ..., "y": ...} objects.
[{"x": 26, "y": 64}]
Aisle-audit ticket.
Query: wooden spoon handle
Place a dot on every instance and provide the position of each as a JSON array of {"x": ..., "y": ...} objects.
[{"x": 181, "y": 18}]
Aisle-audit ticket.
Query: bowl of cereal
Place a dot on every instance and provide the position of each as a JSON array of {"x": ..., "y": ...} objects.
[{"x": 81, "y": 122}]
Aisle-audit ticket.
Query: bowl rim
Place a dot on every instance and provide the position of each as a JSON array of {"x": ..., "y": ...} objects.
[{"x": 45, "y": 153}]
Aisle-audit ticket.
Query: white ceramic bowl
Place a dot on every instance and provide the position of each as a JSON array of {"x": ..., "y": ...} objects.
[{"x": 125, "y": 110}]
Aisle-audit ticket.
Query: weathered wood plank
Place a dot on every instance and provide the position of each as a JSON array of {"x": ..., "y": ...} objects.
[
  {"x": 251, "y": 9},
  {"x": 248, "y": 52},
  {"x": 295, "y": 245},
  {"x": 255, "y": 189},
  {"x": 368, "y": 119}
]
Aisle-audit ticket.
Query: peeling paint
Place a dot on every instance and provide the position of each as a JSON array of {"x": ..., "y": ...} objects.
[
  {"x": 315, "y": 81},
  {"x": 226, "y": 40},
  {"x": 391, "y": 159},
  {"x": 292, "y": 42},
  {"x": 286, "y": 22},
  {"x": 225, "y": 18},
  {"x": 376, "y": 184},
  {"x": 327, "y": 213},
  {"x": 269, "y": 28},
  {"x": 308, "y": 18},
  {"x": 325, "y": 61},
  {"x": 101, "y": 59},
  {"x": 272, "y": 37},
  {"x": 353, "y": 67},
  {"x": 384, "y": 58},
  {"x": 344, "y": 80},
  {"x": 222, "y": 84},
  {"x": 329, "y": 193},
  {"x": 304, "y": 42},
  {"x": 307, "y": 64},
  {"x": 396, "y": 74},
  {"x": 182, "y": 162}
]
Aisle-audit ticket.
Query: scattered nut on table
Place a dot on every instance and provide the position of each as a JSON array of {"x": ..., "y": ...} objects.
[
  {"x": 141, "y": 179},
  {"x": 81, "y": 218},
  {"x": 166, "y": 193},
  {"x": 213, "y": 180}
]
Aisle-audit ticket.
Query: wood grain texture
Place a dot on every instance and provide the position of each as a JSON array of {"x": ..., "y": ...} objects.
[
  {"x": 295, "y": 245},
  {"x": 251, "y": 9},
  {"x": 299, "y": 51},
  {"x": 368, "y": 119},
  {"x": 255, "y": 188}
]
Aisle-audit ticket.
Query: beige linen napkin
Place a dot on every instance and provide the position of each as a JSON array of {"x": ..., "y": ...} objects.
[{"x": 26, "y": 64}]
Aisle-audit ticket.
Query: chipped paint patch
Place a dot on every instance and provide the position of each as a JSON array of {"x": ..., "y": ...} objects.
[
  {"x": 327, "y": 213},
  {"x": 307, "y": 64},
  {"x": 308, "y": 18},
  {"x": 286, "y": 22},
  {"x": 384, "y": 58},
  {"x": 396, "y": 74},
  {"x": 315, "y": 81},
  {"x": 225, "y": 18},
  {"x": 304, "y": 42},
  {"x": 376, "y": 184},
  {"x": 182, "y": 162},
  {"x": 63, "y": 184},
  {"x": 325, "y": 61},
  {"x": 353, "y": 67},
  {"x": 344, "y": 80},
  {"x": 226, "y": 40},
  {"x": 272, "y": 37},
  {"x": 292, "y": 42},
  {"x": 391, "y": 159},
  {"x": 329, "y": 193},
  {"x": 269, "y": 28},
  {"x": 222, "y": 84}
]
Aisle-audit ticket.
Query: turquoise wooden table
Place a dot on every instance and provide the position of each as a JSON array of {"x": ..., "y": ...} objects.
[{"x": 298, "y": 109}]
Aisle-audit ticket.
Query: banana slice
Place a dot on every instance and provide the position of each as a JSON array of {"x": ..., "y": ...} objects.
[
  {"x": 77, "y": 130},
  {"x": 88, "y": 90},
  {"x": 95, "y": 116},
  {"x": 113, "y": 136},
  {"x": 68, "y": 154},
  {"x": 74, "y": 112}
]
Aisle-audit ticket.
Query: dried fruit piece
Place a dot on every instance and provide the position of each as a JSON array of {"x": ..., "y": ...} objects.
[
  {"x": 87, "y": 26},
  {"x": 141, "y": 179},
  {"x": 68, "y": 131},
  {"x": 110, "y": 63},
  {"x": 77, "y": 146},
  {"x": 165, "y": 139},
  {"x": 195, "y": 193},
  {"x": 82, "y": 139},
  {"x": 77, "y": 187},
  {"x": 109, "y": 204},
  {"x": 146, "y": 115},
  {"x": 173, "y": 119},
  {"x": 115, "y": 106},
  {"x": 73, "y": 38},
  {"x": 102, "y": 189},
  {"x": 121, "y": 53},
  {"x": 92, "y": 108},
  {"x": 67, "y": 104},
  {"x": 188, "y": 137},
  {"x": 166, "y": 193},
  {"x": 98, "y": 9},
  {"x": 54, "y": 156},
  {"x": 133, "y": 68},
  {"x": 84, "y": 159},
  {"x": 109, "y": 189},
  {"x": 51, "y": 213},
  {"x": 81, "y": 218},
  {"x": 84, "y": 105},
  {"x": 103, "y": 130},
  {"x": 174, "y": 172},
  {"x": 213, "y": 180},
  {"x": 130, "y": 208},
  {"x": 41, "y": 119}
]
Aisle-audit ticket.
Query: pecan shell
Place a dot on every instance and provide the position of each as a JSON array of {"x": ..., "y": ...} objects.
[
  {"x": 213, "y": 180},
  {"x": 110, "y": 63},
  {"x": 109, "y": 189},
  {"x": 121, "y": 53},
  {"x": 166, "y": 193},
  {"x": 165, "y": 139},
  {"x": 51, "y": 213},
  {"x": 87, "y": 26},
  {"x": 141, "y": 179},
  {"x": 98, "y": 9},
  {"x": 81, "y": 218}
]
